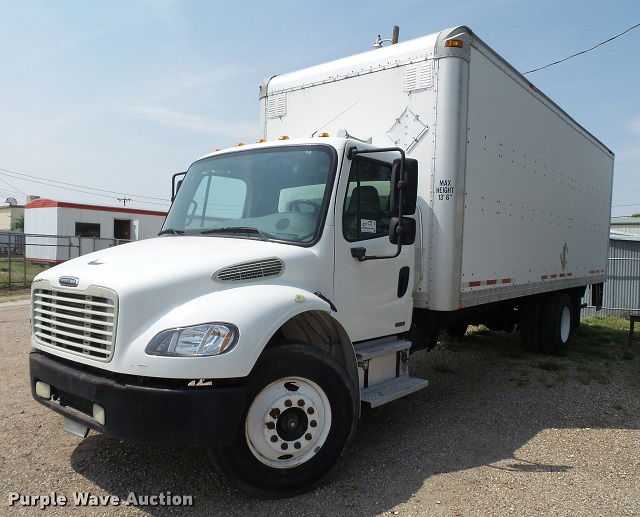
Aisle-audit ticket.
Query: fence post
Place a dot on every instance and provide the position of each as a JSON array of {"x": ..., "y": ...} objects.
[
  {"x": 24, "y": 266},
  {"x": 9, "y": 257}
]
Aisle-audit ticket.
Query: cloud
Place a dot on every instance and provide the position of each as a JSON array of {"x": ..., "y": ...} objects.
[
  {"x": 194, "y": 122},
  {"x": 634, "y": 125}
]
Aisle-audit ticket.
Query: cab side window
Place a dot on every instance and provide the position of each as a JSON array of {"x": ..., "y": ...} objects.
[{"x": 366, "y": 213}]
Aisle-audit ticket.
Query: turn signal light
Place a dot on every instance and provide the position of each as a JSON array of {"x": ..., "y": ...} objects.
[{"x": 455, "y": 43}]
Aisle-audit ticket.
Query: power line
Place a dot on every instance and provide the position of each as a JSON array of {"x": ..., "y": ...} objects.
[
  {"x": 15, "y": 189},
  {"x": 67, "y": 188},
  {"x": 23, "y": 175},
  {"x": 584, "y": 51},
  {"x": 83, "y": 189}
]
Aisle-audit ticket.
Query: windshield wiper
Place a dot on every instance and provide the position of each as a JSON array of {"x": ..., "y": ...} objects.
[
  {"x": 171, "y": 231},
  {"x": 237, "y": 229}
]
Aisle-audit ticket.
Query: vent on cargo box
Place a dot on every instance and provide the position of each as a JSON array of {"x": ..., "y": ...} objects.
[
  {"x": 251, "y": 270},
  {"x": 277, "y": 105},
  {"x": 418, "y": 77}
]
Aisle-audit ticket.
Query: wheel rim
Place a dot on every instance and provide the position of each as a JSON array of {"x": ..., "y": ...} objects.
[
  {"x": 288, "y": 422},
  {"x": 565, "y": 324}
]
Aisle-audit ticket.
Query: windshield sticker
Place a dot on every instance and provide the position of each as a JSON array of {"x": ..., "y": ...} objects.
[{"x": 368, "y": 225}]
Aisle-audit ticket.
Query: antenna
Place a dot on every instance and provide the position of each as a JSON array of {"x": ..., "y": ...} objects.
[
  {"x": 380, "y": 41},
  {"x": 11, "y": 201},
  {"x": 124, "y": 200}
]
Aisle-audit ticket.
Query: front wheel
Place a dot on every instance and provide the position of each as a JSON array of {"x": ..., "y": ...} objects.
[{"x": 299, "y": 415}]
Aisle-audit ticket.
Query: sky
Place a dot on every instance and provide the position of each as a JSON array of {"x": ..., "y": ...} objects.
[{"x": 120, "y": 95}]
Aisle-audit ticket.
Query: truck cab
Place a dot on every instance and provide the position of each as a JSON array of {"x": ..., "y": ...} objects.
[{"x": 236, "y": 327}]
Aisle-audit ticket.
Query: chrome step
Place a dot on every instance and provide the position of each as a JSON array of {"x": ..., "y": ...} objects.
[
  {"x": 379, "y": 347},
  {"x": 391, "y": 389}
]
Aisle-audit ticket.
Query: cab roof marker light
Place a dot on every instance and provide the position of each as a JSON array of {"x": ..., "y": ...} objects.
[
  {"x": 261, "y": 140},
  {"x": 324, "y": 134},
  {"x": 454, "y": 43},
  {"x": 283, "y": 137}
]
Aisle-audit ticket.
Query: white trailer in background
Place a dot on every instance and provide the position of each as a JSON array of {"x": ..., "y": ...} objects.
[{"x": 394, "y": 194}]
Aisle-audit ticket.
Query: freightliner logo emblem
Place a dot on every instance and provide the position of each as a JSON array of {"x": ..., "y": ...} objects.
[{"x": 68, "y": 281}]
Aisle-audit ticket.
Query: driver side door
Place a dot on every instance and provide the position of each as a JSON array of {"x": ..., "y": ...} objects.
[{"x": 373, "y": 297}]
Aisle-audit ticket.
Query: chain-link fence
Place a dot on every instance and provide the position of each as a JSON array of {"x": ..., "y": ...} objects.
[
  {"x": 621, "y": 290},
  {"x": 24, "y": 255}
]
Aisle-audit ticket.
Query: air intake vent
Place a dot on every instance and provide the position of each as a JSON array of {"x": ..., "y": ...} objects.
[
  {"x": 418, "y": 76},
  {"x": 251, "y": 270},
  {"x": 277, "y": 105}
]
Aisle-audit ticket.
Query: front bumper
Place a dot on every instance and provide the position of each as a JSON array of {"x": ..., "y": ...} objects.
[{"x": 140, "y": 408}]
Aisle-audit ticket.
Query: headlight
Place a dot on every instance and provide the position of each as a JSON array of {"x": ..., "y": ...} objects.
[{"x": 195, "y": 341}]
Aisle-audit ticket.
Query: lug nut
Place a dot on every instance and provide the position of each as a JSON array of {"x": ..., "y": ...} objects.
[
  {"x": 274, "y": 438},
  {"x": 313, "y": 423},
  {"x": 271, "y": 425},
  {"x": 297, "y": 445},
  {"x": 307, "y": 436},
  {"x": 311, "y": 411},
  {"x": 284, "y": 446},
  {"x": 287, "y": 403},
  {"x": 274, "y": 413},
  {"x": 301, "y": 403}
]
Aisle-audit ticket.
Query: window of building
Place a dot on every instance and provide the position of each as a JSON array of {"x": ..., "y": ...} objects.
[{"x": 87, "y": 230}]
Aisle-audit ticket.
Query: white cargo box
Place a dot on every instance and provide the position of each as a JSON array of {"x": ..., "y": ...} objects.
[{"x": 514, "y": 195}]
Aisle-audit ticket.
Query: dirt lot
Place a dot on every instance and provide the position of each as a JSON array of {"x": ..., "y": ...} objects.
[{"x": 498, "y": 432}]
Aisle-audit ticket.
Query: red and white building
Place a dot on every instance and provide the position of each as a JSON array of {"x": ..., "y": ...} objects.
[{"x": 58, "y": 230}]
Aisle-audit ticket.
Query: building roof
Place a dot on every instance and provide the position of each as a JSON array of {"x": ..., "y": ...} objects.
[
  {"x": 621, "y": 236},
  {"x": 625, "y": 220},
  {"x": 50, "y": 203}
]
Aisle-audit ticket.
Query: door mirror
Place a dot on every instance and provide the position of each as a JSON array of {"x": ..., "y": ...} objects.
[
  {"x": 408, "y": 185},
  {"x": 402, "y": 230}
]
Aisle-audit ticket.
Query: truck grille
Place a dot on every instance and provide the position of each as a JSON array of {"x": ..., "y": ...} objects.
[{"x": 80, "y": 323}]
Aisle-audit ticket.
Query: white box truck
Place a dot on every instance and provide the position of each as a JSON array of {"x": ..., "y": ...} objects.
[{"x": 395, "y": 194}]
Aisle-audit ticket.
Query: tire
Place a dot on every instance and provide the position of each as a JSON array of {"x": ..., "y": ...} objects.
[
  {"x": 271, "y": 457},
  {"x": 529, "y": 326},
  {"x": 557, "y": 324},
  {"x": 457, "y": 330},
  {"x": 576, "y": 302}
]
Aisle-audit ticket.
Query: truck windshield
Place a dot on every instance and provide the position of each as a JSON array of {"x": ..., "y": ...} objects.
[{"x": 278, "y": 193}]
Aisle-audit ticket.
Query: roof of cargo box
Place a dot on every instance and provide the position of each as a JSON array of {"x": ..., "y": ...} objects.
[
  {"x": 392, "y": 56},
  {"x": 382, "y": 58}
]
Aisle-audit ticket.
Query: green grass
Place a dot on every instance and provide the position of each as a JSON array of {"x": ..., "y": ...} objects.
[
  {"x": 22, "y": 273},
  {"x": 598, "y": 349}
]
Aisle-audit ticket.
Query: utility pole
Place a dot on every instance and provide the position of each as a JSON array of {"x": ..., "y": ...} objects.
[{"x": 124, "y": 200}]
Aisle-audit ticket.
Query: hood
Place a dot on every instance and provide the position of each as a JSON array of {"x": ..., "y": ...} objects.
[{"x": 186, "y": 262}]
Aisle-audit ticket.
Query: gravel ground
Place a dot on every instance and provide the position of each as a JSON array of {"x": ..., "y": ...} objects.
[{"x": 498, "y": 432}]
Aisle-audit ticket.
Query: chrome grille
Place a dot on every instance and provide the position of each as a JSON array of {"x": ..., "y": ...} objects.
[
  {"x": 251, "y": 270},
  {"x": 82, "y": 323}
]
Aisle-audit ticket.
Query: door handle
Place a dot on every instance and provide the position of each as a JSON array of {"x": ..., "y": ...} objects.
[{"x": 359, "y": 253}]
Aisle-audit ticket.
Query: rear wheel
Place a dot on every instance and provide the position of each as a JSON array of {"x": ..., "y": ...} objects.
[
  {"x": 557, "y": 324},
  {"x": 299, "y": 415}
]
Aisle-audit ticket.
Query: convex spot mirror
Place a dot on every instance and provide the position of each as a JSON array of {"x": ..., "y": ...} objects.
[
  {"x": 402, "y": 230},
  {"x": 408, "y": 185}
]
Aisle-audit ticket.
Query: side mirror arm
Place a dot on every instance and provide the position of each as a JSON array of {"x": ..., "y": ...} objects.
[
  {"x": 360, "y": 254},
  {"x": 174, "y": 189}
]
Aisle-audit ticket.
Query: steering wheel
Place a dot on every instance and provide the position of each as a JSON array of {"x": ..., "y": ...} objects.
[{"x": 295, "y": 205}]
